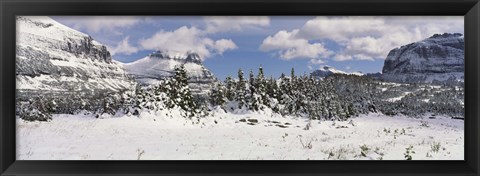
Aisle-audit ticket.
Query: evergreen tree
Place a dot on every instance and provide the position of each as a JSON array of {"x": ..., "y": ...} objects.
[
  {"x": 286, "y": 98},
  {"x": 261, "y": 85},
  {"x": 180, "y": 93},
  {"x": 240, "y": 92},
  {"x": 229, "y": 88},
  {"x": 273, "y": 95},
  {"x": 153, "y": 97},
  {"x": 252, "y": 96},
  {"x": 292, "y": 73},
  {"x": 217, "y": 95}
]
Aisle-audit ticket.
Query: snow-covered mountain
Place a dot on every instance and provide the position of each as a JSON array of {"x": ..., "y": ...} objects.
[
  {"x": 326, "y": 70},
  {"x": 161, "y": 64},
  {"x": 439, "y": 58},
  {"x": 55, "y": 60}
]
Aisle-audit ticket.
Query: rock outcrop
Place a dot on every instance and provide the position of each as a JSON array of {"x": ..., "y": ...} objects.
[
  {"x": 438, "y": 59},
  {"x": 63, "y": 66}
]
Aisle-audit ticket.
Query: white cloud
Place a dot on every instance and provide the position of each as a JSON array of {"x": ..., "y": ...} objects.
[
  {"x": 222, "y": 45},
  {"x": 342, "y": 57},
  {"x": 234, "y": 23},
  {"x": 312, "y": 64},
  {"x": 317, "y": 61},
  {"x": 291, "y": 47},
  {"x": 341, "y": 28},
  {"x": 365, "y": 38},
  {"x": 96, "y": 24},
  {"x": 195, "y": 39},
  {"x": 186, "y": 39},
  {"x": 123, "y": 47},
  {"x": 182, "y": 39}
]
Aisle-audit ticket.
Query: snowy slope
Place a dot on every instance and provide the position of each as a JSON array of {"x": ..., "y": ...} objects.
[
  {"x": 439, "y": 58},
  {"x": 326, "y": 70},
  {"x": 55, "y": 59},
  {"x": 161, "y": 64}
]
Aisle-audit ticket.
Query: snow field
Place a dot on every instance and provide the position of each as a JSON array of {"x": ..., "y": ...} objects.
[{"x": 229, "y": 136}]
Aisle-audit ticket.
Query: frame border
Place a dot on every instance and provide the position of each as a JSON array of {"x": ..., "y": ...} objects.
[{"x": 470, "y": 9}]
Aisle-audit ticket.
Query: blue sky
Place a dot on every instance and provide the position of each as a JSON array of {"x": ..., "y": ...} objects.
[{"x": 277, "y": 43}]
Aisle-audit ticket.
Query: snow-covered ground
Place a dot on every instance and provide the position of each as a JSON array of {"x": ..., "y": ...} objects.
[{"x": 228, "y": 136}]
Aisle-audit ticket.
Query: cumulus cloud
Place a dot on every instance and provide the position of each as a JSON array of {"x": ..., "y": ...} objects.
[
  {"x": 196, "y": 39},
  {"x": 341, "y": 28},
  {"x": 95, "y": 24},
  {"x": 223, "y": 44},
  {"x": 186, "y": 39},
  {"x": 362, "y": 38},
  {"x": 317, "y": 61},
  {"x": 313, "y": 63},
  {"x": 234, "y": 23},
  {"x": 289, "y": 46},
  {"x": 182, "y": 39},
  {"x": 123, "y": 47}
]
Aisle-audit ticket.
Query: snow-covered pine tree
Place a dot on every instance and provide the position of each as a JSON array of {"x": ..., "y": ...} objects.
[
  {"x": 217, "y": 95},
  {"x": 282, "y": 87},
  {"x": 108, "y": 105},
  {"x": 310, "y": 98},
  {"x": 181, "y": 94},
  {"x": 340, "y": 112},
  {"x": 272, "y": 88},
  {"x": 229, "y": 88},
  {"x": 292, "y": 73},
  {"x": 252, "y": 96},
  {"x": 241, "y": 90},
  {"x": 152, "y": 98},
  {"x": 273, "y": 94},
  {"x": 296, "y": 94},
  {"x": 286, "y": 99},
  {"x": 170, "y": 89},
  {"x": 34, "y": 109},
  {"x": 261, "y": 84}
]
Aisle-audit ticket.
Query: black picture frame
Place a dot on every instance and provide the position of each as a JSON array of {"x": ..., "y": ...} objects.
[{"x": 470, "y": 9}]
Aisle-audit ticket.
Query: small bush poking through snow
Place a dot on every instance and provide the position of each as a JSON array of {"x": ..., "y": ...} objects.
[
  {"x": 338, "y": 154},
  {"x": 307, "y": 144},
  {"x": 364, "y": 149},
  {"x": 140, "y": 152},
  {"x": 435, "y": 147},
  {"x": 408, "y": 153}
]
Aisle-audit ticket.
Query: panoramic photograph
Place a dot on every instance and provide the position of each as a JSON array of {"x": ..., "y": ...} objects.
[{"x": 240, "y": 88}]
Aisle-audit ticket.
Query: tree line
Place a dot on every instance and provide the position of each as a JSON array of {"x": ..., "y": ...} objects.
[{"x": 335, "y": 97}]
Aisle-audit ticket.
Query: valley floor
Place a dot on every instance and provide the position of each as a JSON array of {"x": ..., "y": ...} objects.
[{"x": 227, "y": 137}]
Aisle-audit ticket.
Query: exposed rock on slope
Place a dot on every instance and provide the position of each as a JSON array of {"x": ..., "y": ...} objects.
[
  {"x": 161, "y": 64},
  {"x": 60, "y": 64},
  {"x": 438, "y": 59}
]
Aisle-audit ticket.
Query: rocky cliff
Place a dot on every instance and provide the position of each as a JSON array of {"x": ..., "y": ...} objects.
[
  {"x": 437, "y": 59},
  {"x": 64, "y": 66}
]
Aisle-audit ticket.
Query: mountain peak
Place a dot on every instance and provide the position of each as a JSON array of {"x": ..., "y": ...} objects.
[
  {"x": 328, "y": 70},
  {"x": 439, "y": 58},
  {"x": 53, "y": 58},
  {"x": 161, "y": 64},
  {"x": 187, "y": 57},
  {"x": 331, "y": 69},
  {"x": 446, "y": 35}
]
